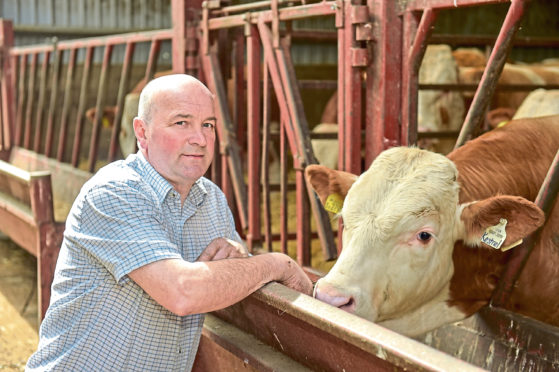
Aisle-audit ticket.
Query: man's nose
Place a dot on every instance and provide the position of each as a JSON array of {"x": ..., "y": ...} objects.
[{"x": 197, "y": 137}]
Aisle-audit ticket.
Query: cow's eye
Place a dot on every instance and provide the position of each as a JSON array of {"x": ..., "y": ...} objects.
[{"x": 424, "y": 236}]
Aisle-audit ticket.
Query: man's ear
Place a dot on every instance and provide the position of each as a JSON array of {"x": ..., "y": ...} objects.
[
  {"x": 325, "y": 181},
  {"x": 140, "y": 132},
  {"x": 523, "y": 217}
]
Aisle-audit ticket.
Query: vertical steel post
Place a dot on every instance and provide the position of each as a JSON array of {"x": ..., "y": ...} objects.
[
  {"x": 8, "y": 94},
  {"x": 38, "y": 134},
  {"x": 66, "y": 105},
  {"x": 178, "y": 42},
  {"x": 383, "y": 91},
  {"x": 411, "y": 63},
  {"x": 253, "y": 126},
  {"x": 53, "y": 98},
  {"x": 30, "y": 100},
  {"x": 22, "y": 99}
]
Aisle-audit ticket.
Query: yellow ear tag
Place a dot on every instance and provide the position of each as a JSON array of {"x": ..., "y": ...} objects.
[
  {"x": 494, "y": 236},
  {"x": 334, "y": 203},
  {"x": 106, "y": 123}
]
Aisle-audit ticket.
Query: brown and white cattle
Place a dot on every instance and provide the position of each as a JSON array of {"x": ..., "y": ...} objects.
[
  {"x": 437, "y": 110},
  {"x": 413, "y": 257}
]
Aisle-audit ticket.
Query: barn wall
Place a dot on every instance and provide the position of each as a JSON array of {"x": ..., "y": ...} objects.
[{"x": 38, "y": 21}]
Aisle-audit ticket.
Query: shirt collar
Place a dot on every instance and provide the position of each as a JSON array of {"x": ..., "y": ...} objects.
[{"x": 162, "y": 187}]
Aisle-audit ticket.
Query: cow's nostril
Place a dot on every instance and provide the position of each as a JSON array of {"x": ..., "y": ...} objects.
[
  {"x": 332, "y": 296},
  {"x": 349, "y": 306}
]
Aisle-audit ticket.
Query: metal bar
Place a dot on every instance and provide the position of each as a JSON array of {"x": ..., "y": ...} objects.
[
  {"x": 301, "y": 133},
  {"x": 240, "y": 87},
  {"x": 250, "y": 6},
  {"x": 122, "y": 90},
  {"x": 285, "y": 14},
  {"x": 495, "y": 65},
  {"x": 266, "y": 159},
  {"x": 30, "y": 101},
  {"x": 448, "y": 4},
  {"x": 81, "y": 106},
  {"x": 325, "y": 338},
  {"x": 178, "y": 40},
  {"x": 101, "y": 92},
  {"x": 410, "y": 70},
  {"x": 283, "y": 78},
  {"x": 41, "y": 102},
  {"x": 253, "y": 102},
  {"x": 53, "y": 100},
  {"x": 68, "y": 96},
  {"x": 383, "y": 94},
  {"x": 284, "y": 205},
  {"x": 151, "y": 66},
  {"x": 545, "y": 200},
  {"x": 226, "y": 134},
  {"x": 22, "y": 99},
  {"x": 350, "y": 84},
  {"x": 136, "y": 37},
  {"x": 8, "y": 90}
]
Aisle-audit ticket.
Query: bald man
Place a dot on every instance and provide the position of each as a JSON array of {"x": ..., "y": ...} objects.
[{"x": 150, "y": 246}]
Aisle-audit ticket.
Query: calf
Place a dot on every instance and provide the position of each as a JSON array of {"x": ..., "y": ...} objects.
[{"x": 413, "y": 257}]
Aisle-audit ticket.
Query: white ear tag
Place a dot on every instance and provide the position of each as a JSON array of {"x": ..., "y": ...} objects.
[{"x": 494, "y": 236}]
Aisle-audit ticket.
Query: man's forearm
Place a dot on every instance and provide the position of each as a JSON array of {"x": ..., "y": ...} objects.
[{"x": 197, "y": 287}]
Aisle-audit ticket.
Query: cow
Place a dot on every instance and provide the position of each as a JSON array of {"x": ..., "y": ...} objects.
[{"x": 413, "y": 257}]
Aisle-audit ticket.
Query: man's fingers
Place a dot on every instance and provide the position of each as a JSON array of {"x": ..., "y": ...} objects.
[{"x": 221, "y": 248}]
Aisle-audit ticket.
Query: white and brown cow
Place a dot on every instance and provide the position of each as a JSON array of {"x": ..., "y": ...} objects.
[{"x": 412, "y": 257}]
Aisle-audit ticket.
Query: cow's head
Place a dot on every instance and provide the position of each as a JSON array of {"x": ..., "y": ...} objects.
[{"x": 401, "y": 219}]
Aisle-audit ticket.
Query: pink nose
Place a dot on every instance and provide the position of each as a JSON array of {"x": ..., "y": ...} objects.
[{"x": 331, "y": 295}]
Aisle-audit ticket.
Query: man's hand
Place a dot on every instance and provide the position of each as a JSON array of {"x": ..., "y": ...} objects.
[
  {"x": 221, "y": 248},
  {"x": 292, "y": 275}
]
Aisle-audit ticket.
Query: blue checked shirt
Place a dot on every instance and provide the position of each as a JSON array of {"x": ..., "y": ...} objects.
[{"x": 125, "y": 217}]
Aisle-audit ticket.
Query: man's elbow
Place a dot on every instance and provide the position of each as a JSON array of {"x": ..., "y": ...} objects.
[{"x": 180, "y": 307}]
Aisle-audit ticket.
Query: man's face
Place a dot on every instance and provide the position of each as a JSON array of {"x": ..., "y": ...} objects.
[{"x": 179, "y": 140}]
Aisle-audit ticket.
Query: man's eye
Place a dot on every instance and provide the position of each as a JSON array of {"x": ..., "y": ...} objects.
[
  {"x": 181, "y": 123},
  {"x": 209, "y": 125}
]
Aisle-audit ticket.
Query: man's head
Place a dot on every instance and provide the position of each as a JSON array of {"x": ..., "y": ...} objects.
[{"x": 175, "y": 128}]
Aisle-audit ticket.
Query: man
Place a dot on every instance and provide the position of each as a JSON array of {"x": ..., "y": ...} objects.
[{"x": 150, "y": 246}]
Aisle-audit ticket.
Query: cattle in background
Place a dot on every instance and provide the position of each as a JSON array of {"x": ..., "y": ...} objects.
[
  {"x": 539, "y": 103},
  {"x": 469, "y": 57},
  {"x": 413, "y": 257},
  {"x": 437, "y": 110},
  {"x": 126, "y": 137}
]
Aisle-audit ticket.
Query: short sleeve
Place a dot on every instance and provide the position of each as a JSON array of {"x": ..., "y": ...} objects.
[{"x": 123, "y": 229}]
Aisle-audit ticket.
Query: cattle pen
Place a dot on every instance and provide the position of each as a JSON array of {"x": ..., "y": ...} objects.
[{"x": 246, "y": 52}]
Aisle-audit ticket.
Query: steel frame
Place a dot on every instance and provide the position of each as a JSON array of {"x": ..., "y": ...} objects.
[{"x": 382, "y": 40}]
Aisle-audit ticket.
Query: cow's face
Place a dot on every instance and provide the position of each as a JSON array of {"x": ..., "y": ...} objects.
[
  {"x": 401, "y": 221},
  {"x": 398, "y": 235}
]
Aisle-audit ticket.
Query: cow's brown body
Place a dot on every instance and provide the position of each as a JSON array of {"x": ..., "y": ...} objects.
[{"x": 513, "y": 160}]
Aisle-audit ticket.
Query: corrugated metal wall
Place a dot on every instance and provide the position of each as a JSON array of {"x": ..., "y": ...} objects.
[
  {"x": 83, "y": 16},
  {"x": 38, "y": 21}
]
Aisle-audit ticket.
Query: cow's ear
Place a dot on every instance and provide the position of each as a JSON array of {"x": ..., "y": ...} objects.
[
  {"x": 326, "y": 181},
  {"x": 522, "y": 218}
]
